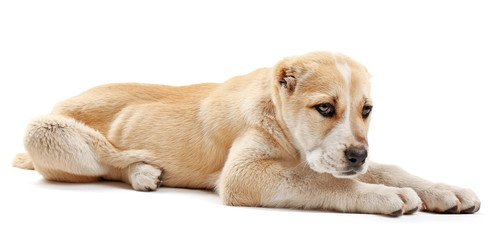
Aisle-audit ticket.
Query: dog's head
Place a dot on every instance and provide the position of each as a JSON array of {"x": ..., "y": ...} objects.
[{"x": 324, "y": 100}]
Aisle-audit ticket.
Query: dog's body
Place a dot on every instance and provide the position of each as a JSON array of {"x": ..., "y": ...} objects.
[{"x": 294, "y": 135}]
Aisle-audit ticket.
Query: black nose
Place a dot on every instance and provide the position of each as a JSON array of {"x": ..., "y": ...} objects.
[{"x": 356, "y": 156}]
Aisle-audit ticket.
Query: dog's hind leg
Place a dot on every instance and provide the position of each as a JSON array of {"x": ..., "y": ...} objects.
[{"x": 63, "y": 149}]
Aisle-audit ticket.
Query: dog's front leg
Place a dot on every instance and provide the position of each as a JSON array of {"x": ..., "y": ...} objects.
[
  {"x": 437, "y": 197},
  {"x": 256, "y": 174}
]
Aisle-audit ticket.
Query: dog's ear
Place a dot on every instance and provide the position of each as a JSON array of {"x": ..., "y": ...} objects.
[
  {"x": 286, "y": 74},
  {"x": 288, "y": 81}
]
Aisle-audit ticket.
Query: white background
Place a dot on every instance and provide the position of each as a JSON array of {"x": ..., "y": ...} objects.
[{"x": 435, "y": 87}]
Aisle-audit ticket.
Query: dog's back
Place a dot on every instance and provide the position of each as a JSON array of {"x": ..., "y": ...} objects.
[
  {"x": 98, "y": 106},
  {"x": 187, "y": 130}
]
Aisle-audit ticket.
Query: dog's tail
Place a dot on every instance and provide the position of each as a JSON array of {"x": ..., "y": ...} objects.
[{"x": 23, "y": 160}]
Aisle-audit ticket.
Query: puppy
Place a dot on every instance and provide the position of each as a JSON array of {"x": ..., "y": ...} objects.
[{"x": 294, "y": 135}]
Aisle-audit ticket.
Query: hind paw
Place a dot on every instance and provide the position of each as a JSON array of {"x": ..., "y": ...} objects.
[{"x": 144, "y": 177}]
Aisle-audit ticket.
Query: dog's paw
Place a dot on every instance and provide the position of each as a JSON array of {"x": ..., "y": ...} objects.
[
  {"x": 144, "y": 177},
  {"x": 443, "y": 198},
  {"x": 391, "y": 201}
]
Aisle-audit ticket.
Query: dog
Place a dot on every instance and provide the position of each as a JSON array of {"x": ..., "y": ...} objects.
[{"x": 293, "y": 135}]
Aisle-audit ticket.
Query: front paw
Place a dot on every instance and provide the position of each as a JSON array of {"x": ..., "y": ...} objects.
[
  {"x": 390, "y": 201},
  {"x": 443, "y": 198}
]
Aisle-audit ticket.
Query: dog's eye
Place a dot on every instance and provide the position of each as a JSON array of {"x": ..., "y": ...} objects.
[
  {"x": 325, "y": 109},
  {"x": 366, "y": 110}
]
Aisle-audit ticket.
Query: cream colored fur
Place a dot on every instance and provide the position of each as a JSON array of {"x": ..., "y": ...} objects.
[{"x": 257, "y": 139}]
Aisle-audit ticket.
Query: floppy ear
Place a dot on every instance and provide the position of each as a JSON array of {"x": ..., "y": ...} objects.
[{"x": 285, "y": 74}]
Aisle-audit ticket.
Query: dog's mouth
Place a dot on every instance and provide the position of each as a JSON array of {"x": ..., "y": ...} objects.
[
  {"x": 346, "y": 174},
  {"x": 342, "y": 173},
  {"x": 351, "y": 171}
]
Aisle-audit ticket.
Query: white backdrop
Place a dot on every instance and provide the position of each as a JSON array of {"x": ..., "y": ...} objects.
[{"x": 435, "y": 87}]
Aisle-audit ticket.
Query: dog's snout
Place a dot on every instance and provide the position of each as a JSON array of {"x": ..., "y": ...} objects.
[{"x": 356, "y": 156}]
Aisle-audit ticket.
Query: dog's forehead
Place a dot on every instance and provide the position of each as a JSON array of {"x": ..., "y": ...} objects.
[
  {"x": 339, "y": 75},
  {"x": 353, "y": 74}
]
